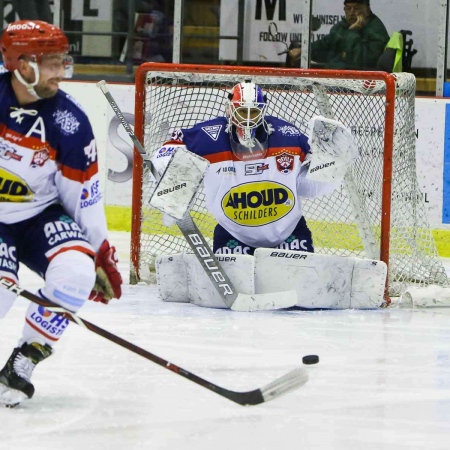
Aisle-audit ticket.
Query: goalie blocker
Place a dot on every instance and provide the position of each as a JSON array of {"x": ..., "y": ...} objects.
[
  {"x": 320, "y": 281},
  {"x": 179, "y": 182}
]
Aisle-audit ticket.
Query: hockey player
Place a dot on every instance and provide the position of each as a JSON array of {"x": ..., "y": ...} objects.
[
  {"x": 51, "y": 209},
  {"x": 257, "y": 174}
]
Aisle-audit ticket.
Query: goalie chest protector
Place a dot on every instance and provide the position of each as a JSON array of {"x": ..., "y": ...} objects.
[{"x": 257, "y": 201}]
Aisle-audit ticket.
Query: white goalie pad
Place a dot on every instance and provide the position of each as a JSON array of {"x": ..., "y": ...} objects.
[
  {"x": 179, "y": 183},
  {"x": 171, "y": 277},
  {"x": 181, "y": 278},
  {"x": 321, "y": 281},
  {"x": 333, "y": 150}
]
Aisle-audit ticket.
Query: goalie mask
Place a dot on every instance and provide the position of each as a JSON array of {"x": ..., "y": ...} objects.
[
  {"x": 34, "y": 40},
  {"x": 245, "y": 111}
]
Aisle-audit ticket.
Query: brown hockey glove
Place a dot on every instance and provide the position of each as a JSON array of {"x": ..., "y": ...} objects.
[{"x": 108, "y": 280}]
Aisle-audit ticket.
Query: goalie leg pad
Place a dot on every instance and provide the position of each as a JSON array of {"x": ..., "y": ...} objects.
[
  {"x": 179, "y": 183},
  {"x": 239, "y": 268},
  {"x": 181, "y": 278},
  {"x": 321, "y": 281},
  {"x": 171, "y": 277}
]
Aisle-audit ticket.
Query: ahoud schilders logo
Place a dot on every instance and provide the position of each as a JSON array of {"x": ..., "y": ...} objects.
[{"x": 257, "y": 203}]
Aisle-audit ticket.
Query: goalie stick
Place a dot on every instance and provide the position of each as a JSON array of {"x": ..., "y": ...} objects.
[
  {"x": 220, "y": 280},
  {"x": 288, "y": 382}
]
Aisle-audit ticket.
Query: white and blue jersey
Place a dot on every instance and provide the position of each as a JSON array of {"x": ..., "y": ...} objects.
[
  {"x": 256, "y": 201},
  {"x": 48, "y": 156}
]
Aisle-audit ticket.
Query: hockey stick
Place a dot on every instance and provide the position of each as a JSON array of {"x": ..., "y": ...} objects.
[
  {"x": 213, "y": 269},
  {"x": 290, "y": 381}
]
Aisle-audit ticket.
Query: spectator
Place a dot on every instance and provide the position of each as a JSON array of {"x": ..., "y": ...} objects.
[
  {"x": 153, "y": 41},
  {"x": 356, "y": 42},
  {"x": 33, "y": 10}
]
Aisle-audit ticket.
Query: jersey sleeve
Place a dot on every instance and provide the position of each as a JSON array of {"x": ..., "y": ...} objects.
[{"x": 78, "y": 183}]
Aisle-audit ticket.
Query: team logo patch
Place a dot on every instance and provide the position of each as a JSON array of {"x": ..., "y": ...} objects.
[
  {"x": 289, "y": 130},
  {"x": 213, "y": 131},
  {"x": 285, "y": 163},
  {"x": 40, "y": 157},
  {"x": 67, "y": 122}
]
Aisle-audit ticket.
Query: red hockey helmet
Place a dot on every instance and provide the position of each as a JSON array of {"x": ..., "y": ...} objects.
[{"x": 31, "y": 38}]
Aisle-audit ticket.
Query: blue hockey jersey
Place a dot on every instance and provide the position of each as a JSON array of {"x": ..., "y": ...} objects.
[{"x": 48, "y": 155}]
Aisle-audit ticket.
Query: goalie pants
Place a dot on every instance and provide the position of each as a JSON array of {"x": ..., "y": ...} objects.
[
  {"x": 52, "y": 245},
  {"x": 300, "y": 239}
]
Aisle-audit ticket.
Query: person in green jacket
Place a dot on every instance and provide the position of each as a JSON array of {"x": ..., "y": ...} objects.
[{"x": 355, "y": 42}]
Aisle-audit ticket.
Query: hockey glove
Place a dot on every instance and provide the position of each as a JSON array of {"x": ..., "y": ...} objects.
[{"x": 108, "y": 279}]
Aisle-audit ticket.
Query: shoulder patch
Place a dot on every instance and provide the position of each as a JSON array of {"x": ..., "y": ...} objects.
[
  {"x": 212, "y": 131},
  {"x": 289, "y": 130},
  {"x": 66, "y": 121}
]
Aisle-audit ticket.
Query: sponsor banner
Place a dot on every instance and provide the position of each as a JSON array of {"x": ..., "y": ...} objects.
[
  {"x": 269, "y": 26},
  {"x": 446, "y": 170}
]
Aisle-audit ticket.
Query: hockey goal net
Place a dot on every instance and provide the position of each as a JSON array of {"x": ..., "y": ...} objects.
[{"x": 378, "y": 212}]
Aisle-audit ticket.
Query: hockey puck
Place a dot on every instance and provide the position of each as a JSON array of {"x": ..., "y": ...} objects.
[{"x": 310, "y": 359}]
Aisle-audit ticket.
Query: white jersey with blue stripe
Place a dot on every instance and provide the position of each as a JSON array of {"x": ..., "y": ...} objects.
[
  {"x": 257, "y": 201},
  {"x": 48, "y": 155}
]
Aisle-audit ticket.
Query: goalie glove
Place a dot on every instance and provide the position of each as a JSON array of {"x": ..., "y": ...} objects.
[
  {"x": 108, "y": 279},
  {"x": 333, "y": 150}
]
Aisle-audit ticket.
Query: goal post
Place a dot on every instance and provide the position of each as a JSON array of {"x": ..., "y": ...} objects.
[{"x": 378, "y": 212}]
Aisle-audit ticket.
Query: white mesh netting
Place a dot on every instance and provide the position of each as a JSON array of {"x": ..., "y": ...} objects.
[{"x": 344, "y": 223}]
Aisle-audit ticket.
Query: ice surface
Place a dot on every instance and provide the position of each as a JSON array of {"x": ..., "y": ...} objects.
[{"x": 383, "y": 381}]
